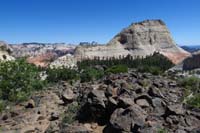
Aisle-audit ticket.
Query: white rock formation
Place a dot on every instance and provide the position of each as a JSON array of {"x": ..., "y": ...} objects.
[
  {"x": 139, "y": 39},
  {"x": 64, "y": 61},
  {"x": 5, "y": 52}
]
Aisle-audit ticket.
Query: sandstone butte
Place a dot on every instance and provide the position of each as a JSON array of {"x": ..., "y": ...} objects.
[{"x": 139, "y": 39}]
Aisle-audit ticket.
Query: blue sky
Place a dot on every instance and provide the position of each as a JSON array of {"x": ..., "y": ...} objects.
[{"x": 74, "y": 21}]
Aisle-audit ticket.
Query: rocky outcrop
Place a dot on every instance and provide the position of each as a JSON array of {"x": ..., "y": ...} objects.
[
  {"x": 192, "y": 62},
  {"x": 139, "y": 39},
  {"x": 64, "y": 61},
  {"x": 130, "y": 102},
  {"x": 5, "y": 52}
]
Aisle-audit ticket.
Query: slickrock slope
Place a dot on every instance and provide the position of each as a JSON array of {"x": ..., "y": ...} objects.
[
  {"x": 139, "y": 39},
  {"x": 5, "y": 51}
]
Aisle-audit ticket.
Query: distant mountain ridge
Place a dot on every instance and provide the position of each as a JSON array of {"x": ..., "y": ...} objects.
[
  {"x": 34, "y": 49},
  {"x": 41, "y": 54},
  {"x": 191, "y": 48}
]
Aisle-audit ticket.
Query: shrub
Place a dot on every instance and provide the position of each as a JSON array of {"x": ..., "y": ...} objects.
[
  {"x": 117, "y": 69},
  {"x": 194, "y": 101},
  {"x": 2, "y": 105},
  {"x": 18, "y": 79},
  {"x": 58, "y": 74},
  {"x": 162, "y": 130},
  {"x": 151, "y": 69},
  {"x": 90, "y": 74},
  {"x": 191, "y": 85}
]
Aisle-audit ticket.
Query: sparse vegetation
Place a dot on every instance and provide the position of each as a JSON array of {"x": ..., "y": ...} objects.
[
  {"x": 162, "y": 130},
  {"x": 17, "y": 80},
  {"x": 194, "y": 101},
  {"x": 90, "y": 74},
  {"x": 2, "y": 105},
  {"x": 70, "y": 115},
  {"x": 117, "y": 69},
  {"x": 192, "y": 86}
]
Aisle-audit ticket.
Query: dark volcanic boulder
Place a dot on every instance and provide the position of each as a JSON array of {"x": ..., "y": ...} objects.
[{"x": 130, "y": 119}]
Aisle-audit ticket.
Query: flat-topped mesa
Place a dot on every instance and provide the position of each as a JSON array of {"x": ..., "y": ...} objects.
[
  {"x": 139, "y": 39},
  {"x": 5, "y": 51}
]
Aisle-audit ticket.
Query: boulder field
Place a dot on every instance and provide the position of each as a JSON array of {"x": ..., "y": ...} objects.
[{"x": 118, "y": 103}]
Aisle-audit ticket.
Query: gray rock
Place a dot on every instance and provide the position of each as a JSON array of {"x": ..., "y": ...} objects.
[
  {"x": 68, "y": 95},
  {"x": 128, "y": 119},
  {"x": 30, "y": 104},
  {"x": 97, "y": 97},
  {"x": 180, "y": 131},
  {"x": 142, "y": 102},
  {"x": 109, "y": 91},
  {"x": 159, "y": 106},
  {"x": 75, "y": 129},
  {"x": 149, "y": 130},
  {"x": 54, "y": 116},
  {"x": 155, "y": 92},
  {"x": 177, "y": 109},
  {"x": 125, "y": 102},
  {"x": 113, "y": 101},
  {"x": 192, "y": 121}
]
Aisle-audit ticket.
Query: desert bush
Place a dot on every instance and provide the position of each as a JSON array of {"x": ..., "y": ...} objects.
[{"x": 18, "y": 79}]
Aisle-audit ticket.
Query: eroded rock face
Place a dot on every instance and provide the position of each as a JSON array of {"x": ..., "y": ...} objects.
[
  {"x": 35, "y": 49},
  {"x": 5, "y": 52},
  {"x": 64, "y": 61},
  {"x": 139, "y": 39},
  {"x": 41, "y": 54},
  {"x": 42, "y": 60}
]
